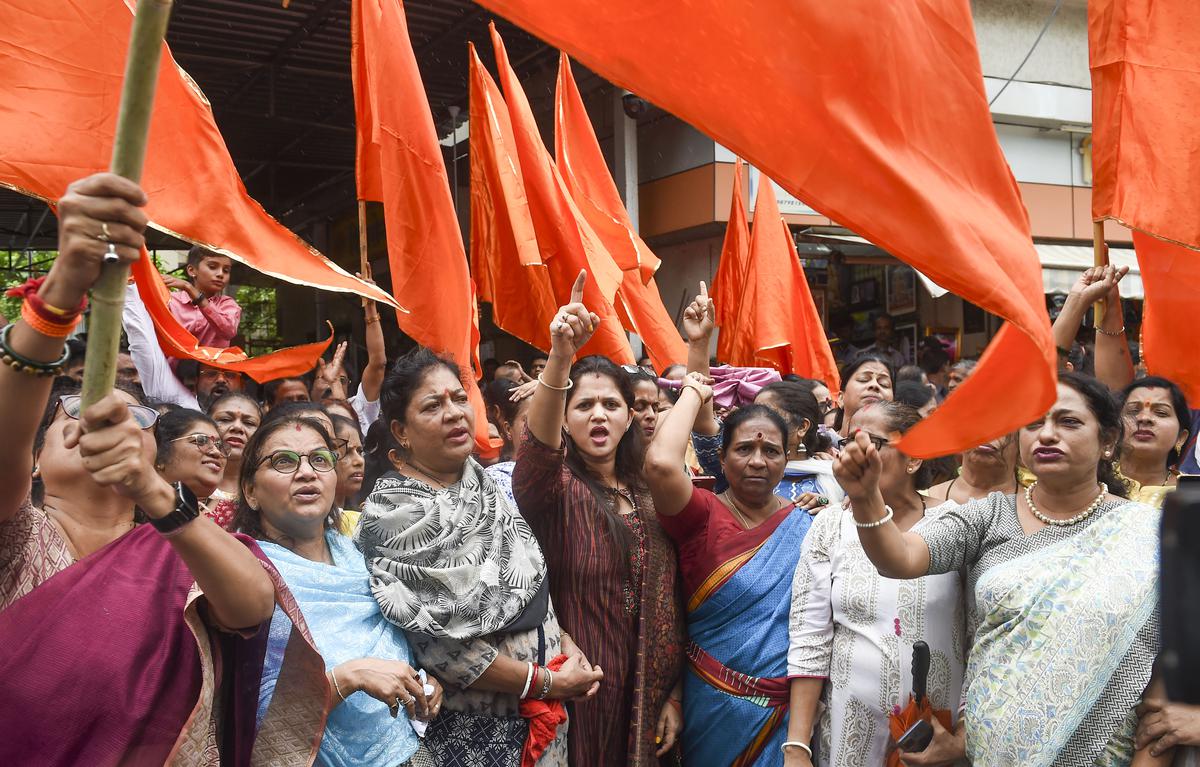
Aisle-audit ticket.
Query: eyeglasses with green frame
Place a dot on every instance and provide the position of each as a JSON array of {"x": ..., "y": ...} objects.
[{"x": 288, "y": 461}]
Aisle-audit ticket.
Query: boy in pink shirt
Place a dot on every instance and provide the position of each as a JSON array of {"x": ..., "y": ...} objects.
[{"x": 199, "y": 304}]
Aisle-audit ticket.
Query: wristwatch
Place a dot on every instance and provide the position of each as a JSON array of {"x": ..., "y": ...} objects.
[{"x": 187, "y": 508}]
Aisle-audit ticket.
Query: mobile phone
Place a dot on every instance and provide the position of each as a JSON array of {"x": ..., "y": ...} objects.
[
  {"x": 705, "y": 483},
  {"x": 917, "y": 738}
]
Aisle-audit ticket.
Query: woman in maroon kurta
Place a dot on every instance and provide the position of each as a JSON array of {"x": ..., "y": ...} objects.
[{"x": 613, "y": 573}]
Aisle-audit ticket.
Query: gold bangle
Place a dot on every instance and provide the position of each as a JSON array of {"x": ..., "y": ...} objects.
[
  {"x": 333, "y": 676},
  {"x": 1113, "y": 333}
]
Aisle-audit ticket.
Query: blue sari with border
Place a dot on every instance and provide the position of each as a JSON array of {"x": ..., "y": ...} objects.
[{"x": 735, "y": 690}]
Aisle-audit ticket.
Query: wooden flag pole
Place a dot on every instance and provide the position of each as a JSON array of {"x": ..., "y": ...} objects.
[
  {"x": 1101, "y": 259},
  {"x": 129, "y": 154},
  {"x": 364, "y": 261}
]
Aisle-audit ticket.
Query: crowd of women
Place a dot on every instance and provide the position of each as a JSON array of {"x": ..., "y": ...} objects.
[{"x": 648, "y": 574}]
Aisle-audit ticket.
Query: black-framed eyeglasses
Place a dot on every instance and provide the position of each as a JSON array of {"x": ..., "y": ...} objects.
[
  {"x": 825, "y": 407},
  {"x": 204, "y": 441},
  {"x": 288, "y": 461},
  {"x": 146, "y": 417},
  {"x": 879, "y": 442},
  {"x": 343, "y": 448}
]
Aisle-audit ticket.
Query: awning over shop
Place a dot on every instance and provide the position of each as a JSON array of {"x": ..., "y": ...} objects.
[{"x": 1061, "y": 264}]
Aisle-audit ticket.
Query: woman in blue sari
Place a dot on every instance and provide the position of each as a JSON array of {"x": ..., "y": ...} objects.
[
  {"x": 737, "y": 554},
  {"x": 288, "y": 483}
]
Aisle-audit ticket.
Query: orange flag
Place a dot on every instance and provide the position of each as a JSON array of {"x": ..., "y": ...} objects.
[
  {"x": 639, "y": 304},
  {"x": 505, "y": 260},
  {"x": 61, "y": 68},
  {"x": 730, "y": 290},
  {"x": 1145, "y": 62},
  {"x": 787, "y": 332},
  {"x": 177, "y": 341},
  {"x": 400, "y": 164},
  {"x": 899, "y": 147},
  {"x": 565, "y": 239},
  {"x": 1170, "y": 333}
]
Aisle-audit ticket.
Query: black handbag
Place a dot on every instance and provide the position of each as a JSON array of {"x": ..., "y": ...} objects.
[{"x": 456, "y": 739}]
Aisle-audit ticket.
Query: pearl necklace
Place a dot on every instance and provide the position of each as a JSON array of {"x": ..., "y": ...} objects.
[{"x": 1091, "y": 509}]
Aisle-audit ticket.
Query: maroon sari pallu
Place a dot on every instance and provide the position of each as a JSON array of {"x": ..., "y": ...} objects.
[{"x": 102, "y": 665}]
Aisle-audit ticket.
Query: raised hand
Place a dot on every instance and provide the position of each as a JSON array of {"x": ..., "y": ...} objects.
[
  {"x": 1099, "y": 283},
  {"x": 700, "y": 383},
  {"x": 175, "y": 283},
  {"x": 114, "y": 452},
  {"x": 857, "y": 468},
  {"x": 698, "y": 322},
  {"x": 573, "y": 325},
  {"x": 328, "y": 381},
  {"x": 96, "y": 211}
]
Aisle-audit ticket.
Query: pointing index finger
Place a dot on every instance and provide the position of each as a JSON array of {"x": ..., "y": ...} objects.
[
  {"x": 577, "y": 288},
  {"x": 703, "y": 289}
]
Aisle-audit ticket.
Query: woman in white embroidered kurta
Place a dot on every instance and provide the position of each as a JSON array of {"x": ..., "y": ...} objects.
[{"x": 855, "y": 629}]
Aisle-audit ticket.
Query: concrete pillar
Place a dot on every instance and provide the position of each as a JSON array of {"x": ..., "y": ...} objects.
[{"x": 625, "y": 155}]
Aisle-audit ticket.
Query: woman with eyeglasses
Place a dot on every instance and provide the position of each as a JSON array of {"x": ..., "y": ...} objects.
[
  {"x": 456, "y": 566},
  {"x": 190, "y": 451},
  {"x": 237, "y": 417},
  {"x": 1062, "y": 587},
  {"x": 852, "y": 630},
  {"x": 87, "y": 595},
  {"x": 289, "y": 488}
]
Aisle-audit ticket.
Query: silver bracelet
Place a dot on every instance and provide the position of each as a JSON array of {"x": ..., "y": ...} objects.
[
  {"x": 570, "y": 384},
  {"x": 1113, "y": 333},
  {"x": 877, "y": 523},
  {"x": 790, "y": 743}
]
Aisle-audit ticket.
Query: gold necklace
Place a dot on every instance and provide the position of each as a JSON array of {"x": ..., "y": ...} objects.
[{"x": 744, "y": 519}]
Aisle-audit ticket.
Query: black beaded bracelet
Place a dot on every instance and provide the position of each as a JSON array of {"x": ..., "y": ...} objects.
[{"x": 23, "y": 364}]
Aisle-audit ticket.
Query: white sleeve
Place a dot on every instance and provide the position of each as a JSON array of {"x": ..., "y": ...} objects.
[
  {"x": 810, "y": 625},
  {"x": 158, "y": 380},
  {"x": 368, "y": 410}
]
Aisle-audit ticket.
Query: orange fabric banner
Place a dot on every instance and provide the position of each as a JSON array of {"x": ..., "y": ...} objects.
[
  {"x": 581, "y": 163},
  {"x": 565, "y": 239},
  {"x": 400, "y": 164},
  {"x": 505, "y": 261},
  {"x": 1170, "y": 333},
  {"x": 176, "y": 341},
  {"x": 900, "y": 148},
  {"x": 782, "y": 312},
  {"x": 731, "y": 294},
  {"x": 1145, "y": 62},
  {"x": 61, "y": 68}
]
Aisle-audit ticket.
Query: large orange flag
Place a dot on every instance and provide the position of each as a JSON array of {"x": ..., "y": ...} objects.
[
  {"x": 639, "y": 304},
  {"x": 505, "y": 261},
  {"x": 787, "y": 332},
  {"x": 1170, "y": 333},
  {"x": 565, "y": 239},
  {"x": 899, "y": 147},
  {"x": 1145, "y": 62},
  {"x": 61, "y": 68},
  {"x": 400, "y": 164},
  {"x": 730, "y": 290}
]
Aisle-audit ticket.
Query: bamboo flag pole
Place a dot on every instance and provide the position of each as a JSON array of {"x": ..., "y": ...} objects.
[
  {"x": 129, "y": 154},
  {"x": 1101, "y": 259}
]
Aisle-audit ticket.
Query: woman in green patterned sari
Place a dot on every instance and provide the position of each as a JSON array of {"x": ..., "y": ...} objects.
[{"x": 1062, "y": 598}]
